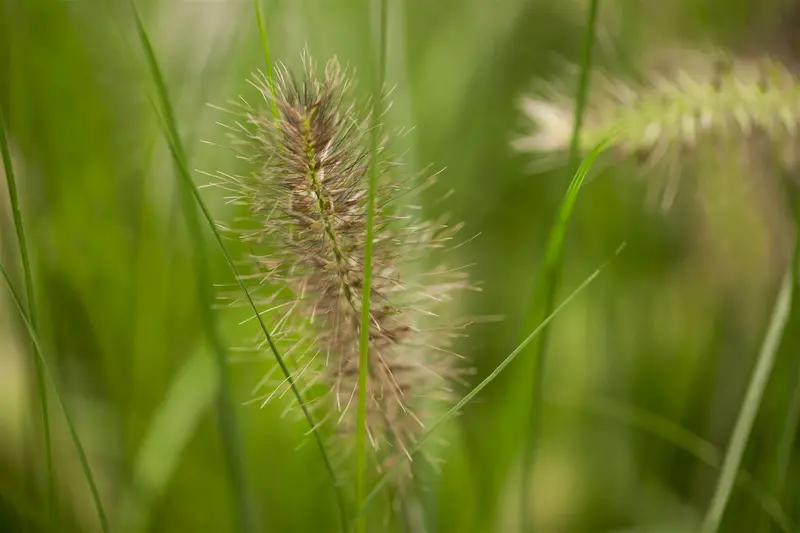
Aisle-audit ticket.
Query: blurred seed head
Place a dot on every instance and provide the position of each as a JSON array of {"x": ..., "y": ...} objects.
[
  {"x": 688, "y": 99},
  {"x": 722, "y": 127}
]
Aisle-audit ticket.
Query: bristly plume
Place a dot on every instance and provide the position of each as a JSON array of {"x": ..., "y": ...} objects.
[
  {"x": 690, "y": 99},
  {"x": 307, "y": 148}
]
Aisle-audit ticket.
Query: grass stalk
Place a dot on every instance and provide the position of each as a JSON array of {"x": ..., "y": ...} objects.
[
  {"x": 262, "y": 32},
  {"x": 225, "y": 410},
  {"x": 750, "y": 406},
  {"x": 41, "y": 386},
  {"x": 755, "y": 392},
  {"x": 544, "y": 293},
  {"x": 792, "y": 420},
  {"x": 379, "y": 75},
  {"x": 37, "y": 345},
  {"x": 414, "y": 449}
]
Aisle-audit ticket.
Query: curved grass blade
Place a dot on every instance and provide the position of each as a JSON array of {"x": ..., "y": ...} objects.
[
  {"x": 551, "y": 273},
  {"x": 786, "y": 444},
  {"x": 87, "y": 471},
  {"x": 379, "y": 75},
  {"x": 170, "y": 130},
  {"x": 227, "y": 415},
  {"x": 750, "y": 406},
  {"x": 383, "y": 479},
  {"x": 41, "y": 388}
]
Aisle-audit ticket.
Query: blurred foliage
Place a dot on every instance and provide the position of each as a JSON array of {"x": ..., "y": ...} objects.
[{"x": 671, "y": 329}]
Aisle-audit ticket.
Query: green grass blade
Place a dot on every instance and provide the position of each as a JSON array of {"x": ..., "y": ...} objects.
[
  {"x": 41, "y": 387},
  {"x": 227, "y": 414},
  {"x": 752, "y": 401},
  {"x": 383, "y": 479},
  {"x": 87, "y": 471},
  {"x": 262, "y": 32},
  {"x": 788, "y": 437},
  {"x": 544, "y": 295},
  {"x": 185, "y": 175},
  {"x": 379, "y": 75}
]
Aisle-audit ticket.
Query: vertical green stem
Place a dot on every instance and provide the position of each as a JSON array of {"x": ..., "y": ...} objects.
[
  {"x": 76, "y": 440},
  {"x": 542, "y": 303},
  {"x": 340, "y": 500},
  {"x": 379, "y": 75},
  {"x": 749, "y": 410},
  {"x": 792, "y": 420},
  {"x": 754, "y": 394},
  {"x": 41, "y": 385},
  {"x": 262, "y": 32}
]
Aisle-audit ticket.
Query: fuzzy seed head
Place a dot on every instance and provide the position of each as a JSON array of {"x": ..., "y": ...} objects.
[
  {"x": 306, "y": 202},
  {"x": 690, "y": 99}
]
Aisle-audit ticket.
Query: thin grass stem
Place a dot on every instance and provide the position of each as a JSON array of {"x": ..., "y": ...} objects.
[
  {"x": 262, "y": 32},
  {"x": 41, "y": 386},
  {"x": 379, "y": 75},
  {"x": 87, "y": 471},
  {"x": 750, "y": 406},
  {"x": 792, "y": 420},
  {"x": 544, "y": 293}
]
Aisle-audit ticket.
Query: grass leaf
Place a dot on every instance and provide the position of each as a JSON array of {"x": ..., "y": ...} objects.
[
  {"x": 752, "y": 401},
  {"x": 379, "y": 75},
  {"x": 544, "y": 295},
  {"x": 87, "y": 471},
  {"x": 41, "y": 388}
]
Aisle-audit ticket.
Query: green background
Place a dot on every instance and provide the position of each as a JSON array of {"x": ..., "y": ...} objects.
[{"x": 646, "y": 368}]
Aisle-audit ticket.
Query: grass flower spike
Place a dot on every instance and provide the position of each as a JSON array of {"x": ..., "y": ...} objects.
[
  {"x": 306, "y": 196},
  {"x": 696, "y": 92},
  {"x": 689, "y": 97}
]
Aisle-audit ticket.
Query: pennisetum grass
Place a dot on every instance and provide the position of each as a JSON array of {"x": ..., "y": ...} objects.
[
  {"x": 226, "y": 413},
  {"x": 41, "y": 386},
  {"x": 544, "y": 292},
  {"x": 76, "y": 440},
  {"x": 307, "y": 199},
  {"x": 318, "y": 179}
]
